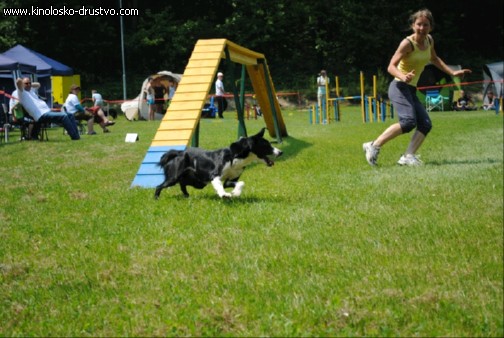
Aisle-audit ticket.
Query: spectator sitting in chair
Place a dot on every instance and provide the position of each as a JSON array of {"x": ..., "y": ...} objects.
[
  {"x": 464, "y": 102},
  {"x": 27, "y": 119},
  {"x": 100, "y": 118},
  {"x": 98, "y": 101},
  {"x": 97, "y": 110},
  {"x": 72, "y": 106},
  {"x": 490, "y": 104},
  {"x": 40, "y": 111}
]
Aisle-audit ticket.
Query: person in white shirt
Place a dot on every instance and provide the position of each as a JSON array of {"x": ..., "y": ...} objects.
[
  {"x": 26, "y": 119},
  {"x": 219, "y": 95},
  {"x": 40, "y": 111},
  {"x": 322, "y": 80},
  {"x": 97, "y": 98}
]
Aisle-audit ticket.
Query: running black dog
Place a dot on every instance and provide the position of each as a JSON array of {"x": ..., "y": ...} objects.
[{"x": 197, "y": 167}]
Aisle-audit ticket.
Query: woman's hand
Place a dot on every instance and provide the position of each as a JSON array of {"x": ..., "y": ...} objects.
[
  {"x": 409, "y": 76},
  {"x": 461, "y": 72}
]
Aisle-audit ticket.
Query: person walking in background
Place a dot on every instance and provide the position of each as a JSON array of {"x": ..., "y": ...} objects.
[
  {"x": 322, "y": 81},
  {"x": 406, "y": 66},
  {"x": 219, "y": 95},
  {"x": 97, "y": 98}
]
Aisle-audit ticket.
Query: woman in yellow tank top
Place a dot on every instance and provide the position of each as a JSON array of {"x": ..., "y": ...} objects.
[{"x": 406, "y": 65}]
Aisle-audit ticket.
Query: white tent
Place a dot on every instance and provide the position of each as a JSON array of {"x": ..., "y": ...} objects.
[
  {"x": 137, "y": 108},
  {"x": 493, "y": 74}
]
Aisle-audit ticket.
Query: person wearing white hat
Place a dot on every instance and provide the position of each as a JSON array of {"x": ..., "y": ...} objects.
[{"x": 219, "y": 95}]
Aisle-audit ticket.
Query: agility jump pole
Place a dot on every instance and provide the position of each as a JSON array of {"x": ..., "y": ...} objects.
[
  {"x": 327, "y": 117},
  {"x": 340, "y": 98},
  {"x": 363, "y": 112},
  {"x": 375, "y": 94},
  {"x": 375, "y": 109},
  {"x": 322, "y": 114},
  {"x": 372, "y": 109}
]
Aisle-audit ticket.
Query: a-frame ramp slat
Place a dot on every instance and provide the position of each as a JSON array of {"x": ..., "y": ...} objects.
[{"x": 150, "y": 174}]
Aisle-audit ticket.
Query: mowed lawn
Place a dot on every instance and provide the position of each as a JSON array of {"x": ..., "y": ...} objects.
[{"x": 321, "y": 244}]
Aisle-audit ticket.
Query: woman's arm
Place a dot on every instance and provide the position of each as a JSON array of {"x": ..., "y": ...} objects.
[{"x": 403, "y": 50}]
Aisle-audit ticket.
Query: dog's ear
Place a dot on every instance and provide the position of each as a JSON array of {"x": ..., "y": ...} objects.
[{"x": 260, "y": 133}]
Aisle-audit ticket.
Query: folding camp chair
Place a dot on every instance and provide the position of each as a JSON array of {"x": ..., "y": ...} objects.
[
  {"x": 20, "y": 119},
  {"x": 4, "y": 124},
  {"x": 209, "y": 110},
  {"x": 81, "y": 122},
  {"x": 434, "y": 100},
  {"x": 26, "y": 124}
]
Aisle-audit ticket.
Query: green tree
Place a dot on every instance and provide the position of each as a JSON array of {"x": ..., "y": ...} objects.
[
  {"x": 13, "y": 31},
  {"x": 298, "y": 38}
]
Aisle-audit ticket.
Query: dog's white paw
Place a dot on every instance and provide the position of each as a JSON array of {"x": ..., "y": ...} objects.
[
  {"x": 238, "y": 189},
  {"x": 219, "y": 188},
  {"x": 225, "y": 195}
]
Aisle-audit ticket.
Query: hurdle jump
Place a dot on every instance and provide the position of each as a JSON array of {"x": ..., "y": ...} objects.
[{"x": 373, "y": 108}]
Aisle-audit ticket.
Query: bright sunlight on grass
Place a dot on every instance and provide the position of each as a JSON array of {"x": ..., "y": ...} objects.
[{"x": 321, "y": 244}]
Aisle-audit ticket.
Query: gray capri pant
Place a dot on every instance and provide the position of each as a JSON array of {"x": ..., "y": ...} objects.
[{"x": 410, "y": 110}]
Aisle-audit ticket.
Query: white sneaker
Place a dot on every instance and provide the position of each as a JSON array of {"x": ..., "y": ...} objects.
[
  {"x": 409, "y": 160},
  {"x": 371, "y": 152}
]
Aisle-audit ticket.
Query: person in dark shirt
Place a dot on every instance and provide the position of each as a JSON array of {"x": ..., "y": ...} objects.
[{"x": 464, "y": 102}]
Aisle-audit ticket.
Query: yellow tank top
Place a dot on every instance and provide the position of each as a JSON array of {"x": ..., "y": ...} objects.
[{"x": 416, "y": 60}]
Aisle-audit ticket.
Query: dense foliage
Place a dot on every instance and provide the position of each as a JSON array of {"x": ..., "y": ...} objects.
[{"x": 298, "y": 37}]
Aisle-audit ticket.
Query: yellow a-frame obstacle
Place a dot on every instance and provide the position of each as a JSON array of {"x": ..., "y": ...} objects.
[{"x": 181, "y": 120}]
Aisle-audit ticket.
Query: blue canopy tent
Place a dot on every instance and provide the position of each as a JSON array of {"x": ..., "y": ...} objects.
[
  {"x": 46, "y": 67},
  {"x": 7, "y": 65}
]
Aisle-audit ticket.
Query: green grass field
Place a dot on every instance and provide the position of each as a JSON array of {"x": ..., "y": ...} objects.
[{"x": 321, "y": 244}]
